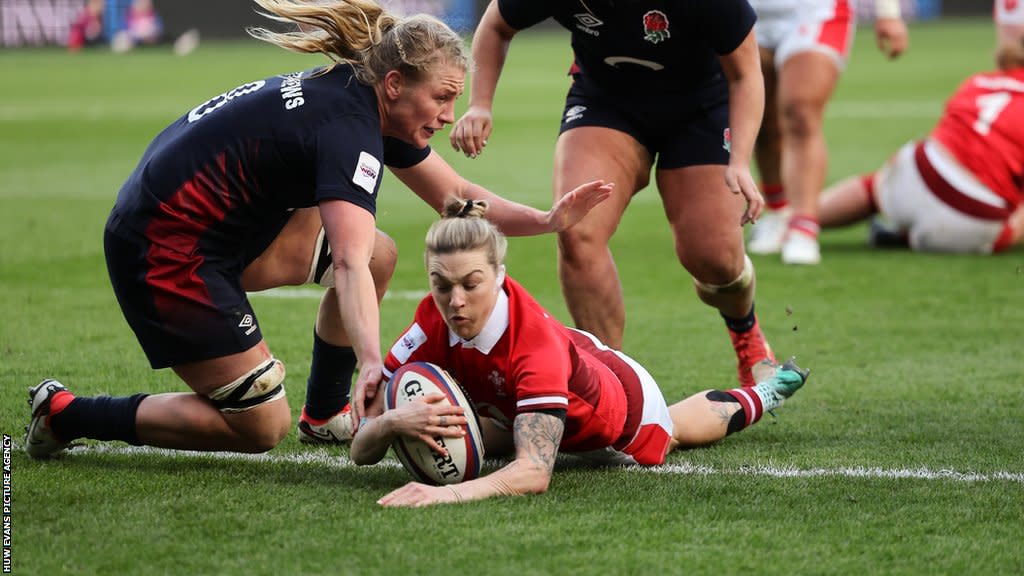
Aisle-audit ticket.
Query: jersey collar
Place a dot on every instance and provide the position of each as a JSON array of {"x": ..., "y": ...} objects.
[{"x": 496, "y": 325}]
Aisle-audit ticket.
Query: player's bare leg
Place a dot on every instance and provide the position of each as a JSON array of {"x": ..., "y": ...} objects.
[
  {"x": 767, "y": 233},
  {"x": 806, "y": 81},
  {"x": 238, "y": 404},
  {"x": 709, "y": 416},
  {"x": 704, "y": 217},
  {"x": 845, "y": 202},
  {"x": 589, "y": 278}
]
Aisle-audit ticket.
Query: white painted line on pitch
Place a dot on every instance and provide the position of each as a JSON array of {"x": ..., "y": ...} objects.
[
  {"x": 331, "y": 458},
  {"x": 317, "y": 293}
]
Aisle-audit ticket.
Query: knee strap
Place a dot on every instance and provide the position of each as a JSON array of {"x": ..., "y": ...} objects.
[
  {"x": 740, "y": 284},
  {"x": 263, "y": 384},
  {"x": 321, "y": 271}
]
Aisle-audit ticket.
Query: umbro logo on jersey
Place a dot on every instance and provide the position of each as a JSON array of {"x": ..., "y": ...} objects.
[
  {"x": 586, "y": 22},
  {"x": 248, "y": 323},
  {"x": 574, "y": 113}
]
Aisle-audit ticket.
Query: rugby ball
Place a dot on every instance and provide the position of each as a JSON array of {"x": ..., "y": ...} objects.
[{"x": 465, "y": 455}]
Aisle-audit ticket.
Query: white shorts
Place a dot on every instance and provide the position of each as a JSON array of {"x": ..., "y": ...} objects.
[
  {"x": 650, "y": 443},
  {"x": 937, "y": 220},
  {"x": 1009, "y": 13},
  {"x": 790, "y": 27}
]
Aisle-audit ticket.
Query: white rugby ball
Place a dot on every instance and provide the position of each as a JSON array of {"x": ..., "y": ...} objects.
[{"x": 465, "y": 455}]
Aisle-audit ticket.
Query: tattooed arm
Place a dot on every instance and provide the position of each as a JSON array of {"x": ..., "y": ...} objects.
[{"x": 537, "y": 436}]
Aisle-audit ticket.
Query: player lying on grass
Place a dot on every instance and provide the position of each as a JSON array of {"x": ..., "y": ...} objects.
[
  {"x": 961, "y": 189},
  {"x": 539, "y": 387}
]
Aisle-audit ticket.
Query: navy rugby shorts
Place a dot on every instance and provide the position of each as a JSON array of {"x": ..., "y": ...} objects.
[
  {"x": 681, "y": 131},
  {"x": 182, "y": 307}
]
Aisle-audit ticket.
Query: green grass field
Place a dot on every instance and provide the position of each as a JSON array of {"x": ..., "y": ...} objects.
[{"x": 903, "y": 455}]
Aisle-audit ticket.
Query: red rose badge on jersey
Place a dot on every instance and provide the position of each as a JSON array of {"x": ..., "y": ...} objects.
[{"x": 656, "y": 27}]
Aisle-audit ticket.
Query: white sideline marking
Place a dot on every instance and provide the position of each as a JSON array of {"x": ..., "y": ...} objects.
[
  {"x": 317, "y": 293},
  {"x": 332, "y": 459}
]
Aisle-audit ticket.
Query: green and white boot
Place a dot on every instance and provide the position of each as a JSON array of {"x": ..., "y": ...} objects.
[{"x": 776, "y": 383}]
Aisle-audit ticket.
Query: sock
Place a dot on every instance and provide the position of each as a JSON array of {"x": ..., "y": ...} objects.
[
  {"x": 755, "y": 402},
  {"x": 330, "y": 377},
  {"x": 99, "y": 417},
  {"x": 741, "y": 325},
  {"x": 805, "y": 224},
  {"x": 868, "y": 180},
  {"x": 774, "y": 196}
]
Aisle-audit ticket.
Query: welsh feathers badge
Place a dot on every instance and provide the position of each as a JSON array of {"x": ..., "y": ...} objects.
[{"x": 656, "y": 27}]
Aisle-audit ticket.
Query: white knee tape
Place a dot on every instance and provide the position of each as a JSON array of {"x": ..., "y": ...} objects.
[
  {"x": 263, "y": 384},
  {"x": 321, "y": 271},
  {"x": 738, "y": 285}
]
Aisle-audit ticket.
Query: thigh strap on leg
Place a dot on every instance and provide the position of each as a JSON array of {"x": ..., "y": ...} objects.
[{"x": 263, "y": 384}]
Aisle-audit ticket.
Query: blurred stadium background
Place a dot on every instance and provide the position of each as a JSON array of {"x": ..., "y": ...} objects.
[{"x": 47, "y": 22}]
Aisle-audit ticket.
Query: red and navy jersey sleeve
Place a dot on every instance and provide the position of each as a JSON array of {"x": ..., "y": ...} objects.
[{"x": 521, "y": 14}]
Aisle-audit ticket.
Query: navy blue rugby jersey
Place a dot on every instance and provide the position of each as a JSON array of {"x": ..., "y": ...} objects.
[
  {"x": 236, "y": 164},
  {"x": 646, "y": 47}
]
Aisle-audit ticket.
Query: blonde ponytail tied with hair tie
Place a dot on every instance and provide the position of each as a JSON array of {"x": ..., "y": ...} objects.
[{"x": 465, "y": 209}]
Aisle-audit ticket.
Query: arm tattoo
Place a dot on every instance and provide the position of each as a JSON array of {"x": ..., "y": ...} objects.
[{"x": 537, "y": 436}]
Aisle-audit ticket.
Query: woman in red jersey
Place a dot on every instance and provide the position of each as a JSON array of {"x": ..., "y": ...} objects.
[{"x": 539, "y": 387}]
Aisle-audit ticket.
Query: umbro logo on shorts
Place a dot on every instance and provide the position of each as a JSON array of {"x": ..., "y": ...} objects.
[{"x": 248, "y": 323}]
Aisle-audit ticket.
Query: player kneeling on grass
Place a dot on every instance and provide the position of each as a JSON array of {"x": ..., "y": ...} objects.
[
  {"x": 958, "y": 190},
  {"x": 227, "y": 192},
  {"x": 538, "y": 386}
]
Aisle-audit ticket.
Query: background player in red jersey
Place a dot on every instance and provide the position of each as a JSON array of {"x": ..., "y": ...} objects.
[
  {"x": 676, "y": 83},
  {"x": 215, "y": 188},
  {"x": 804, "y": 47},
  {"x": 961, "y": 189},
  {"x": 540, "y": 388}
]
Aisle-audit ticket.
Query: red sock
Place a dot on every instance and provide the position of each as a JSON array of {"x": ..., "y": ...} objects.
[
  {"x": 58, "y": 403},
  {"x": 868, "y": 181},
  {"x": 751, "y": 403},
  {"x": 805, "y": 224},
  {"x": 774, "y": 196}
]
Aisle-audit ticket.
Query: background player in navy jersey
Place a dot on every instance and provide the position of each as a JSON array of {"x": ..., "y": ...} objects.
[
  {"x": 215, "y": 188},
  {"x": 674, "y": 82},
  {"x": 540, "y": 388}
]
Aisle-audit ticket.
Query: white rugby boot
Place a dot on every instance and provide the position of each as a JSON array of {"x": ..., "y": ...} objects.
[
  {"x": 767, "y": 233},
  {"x": 40, "y": 442},
  {"x": 800, "y": 248},
  {"x": 335, "y": 430}
]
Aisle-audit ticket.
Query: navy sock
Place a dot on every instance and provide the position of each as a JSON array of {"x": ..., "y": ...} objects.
[
  {"x": 741, "y": 325},
  {"x": 330, "y": 377},
  {"x": 99, "y": 418}
]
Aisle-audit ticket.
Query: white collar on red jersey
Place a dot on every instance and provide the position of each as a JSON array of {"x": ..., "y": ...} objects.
[{"x": 496, "y": 325}]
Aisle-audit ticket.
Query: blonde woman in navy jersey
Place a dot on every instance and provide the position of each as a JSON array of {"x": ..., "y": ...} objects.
[
  {"x": 539, "y": 388},
  {"x": 675, "y": 86},
  {"x": 190, "y": 230}
]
